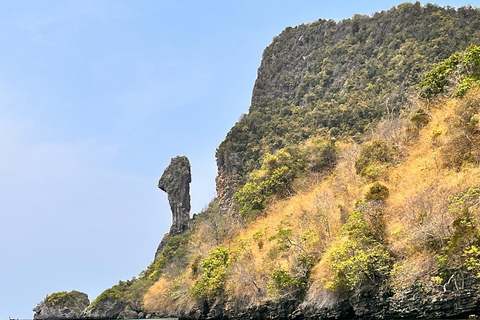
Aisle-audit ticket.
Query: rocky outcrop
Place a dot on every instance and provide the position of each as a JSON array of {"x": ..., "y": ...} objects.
[
  {"x": 175, "y": 181},
  {"x": 62, "y": 305},
  {"x": 107, "y": 308},
  {"x": 413, "y": 303},
  {"x": 227, "y": 180}
]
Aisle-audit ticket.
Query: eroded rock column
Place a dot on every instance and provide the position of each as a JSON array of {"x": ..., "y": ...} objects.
[{"x": 175, "y": 181}]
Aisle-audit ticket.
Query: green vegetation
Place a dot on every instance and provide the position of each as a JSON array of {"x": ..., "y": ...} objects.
[
  {"x": 342, "y": 84},
  {"x": 377, "y": 192},
  {"x": 465, "y": 65},
  {"x": 374, "y": 159},
  {"x": 278, "y": 173},
  {"x": 282, "y": 284},
  {"x": 437, "y": 79},
  {"x": 275, "y": 177},
  {"x": 175, "y": 251},
  {"x": 322, "y": 207},
  {"x": 126, "y": 293},
  {"x": 420, "y": 118},
  {"x": 73, "y": 300},
  {"x": 211, "y": 283},
  {"x": 464, "y": 145},
  {"x": 460, "y": 255},
  {"x": 358, "y": 259}
]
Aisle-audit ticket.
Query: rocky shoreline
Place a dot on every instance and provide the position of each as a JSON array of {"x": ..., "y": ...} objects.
[{"x": 410, "y": 304}]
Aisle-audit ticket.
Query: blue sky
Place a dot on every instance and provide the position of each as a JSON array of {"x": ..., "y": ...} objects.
[{"x": 95, "y": 98}]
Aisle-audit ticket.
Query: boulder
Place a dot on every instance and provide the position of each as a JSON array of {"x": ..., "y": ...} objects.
[{"x": 62, "y": 305}]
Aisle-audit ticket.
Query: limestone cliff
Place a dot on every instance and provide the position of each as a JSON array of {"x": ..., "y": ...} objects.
[
  {"x": 338, "y": 78},
  {"x": 175, "y": 181},
  {"x": 331, "y": 246}
]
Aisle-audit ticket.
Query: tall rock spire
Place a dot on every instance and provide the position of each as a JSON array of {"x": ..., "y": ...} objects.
[{"x": 175, "y": 181}]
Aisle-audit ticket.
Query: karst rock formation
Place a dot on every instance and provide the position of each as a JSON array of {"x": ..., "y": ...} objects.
[{"x": 175, "y": 181}]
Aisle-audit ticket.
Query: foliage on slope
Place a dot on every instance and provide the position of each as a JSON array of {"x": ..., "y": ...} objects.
[
  {"x": 72, "y": 300},
  {"x": 344, "y": 231},
  {"x": 316, "y": 211},
  {"x": 342, "y": 77}
]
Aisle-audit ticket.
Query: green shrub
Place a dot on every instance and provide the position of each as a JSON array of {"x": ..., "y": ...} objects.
[
  {"x": 357, "y": 259},
  {"x": 195, "y": 266},
  {"x": 211, "y": 283},
  {"x": 374, "y": 159},
  {"x": 467, "y": 64},
  {"x": 467, "y": 83},
  {"x": 377, "y": 192},
  {"x": 281, "y": 284},
  {"x": 463, "y": 147},
  {"x": 459, "y": 255},
  {"x": 436, "y": 80},
  {"x": 322, "y": 155},
  {"x": 274, "y": 178},
  {"x": 126, "y": 293},
  {"x": 175, "y": 251},
  {"x": 259, "y": 237},
  {"x": 283, "y": 237},
  {"x": 471, "y": 58},
  {"x": 420, "y": 118},
  {"x": 72, "y": 300}
]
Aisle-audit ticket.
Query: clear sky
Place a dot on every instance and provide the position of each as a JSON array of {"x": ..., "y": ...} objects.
[{"x": 96, "y": 97}]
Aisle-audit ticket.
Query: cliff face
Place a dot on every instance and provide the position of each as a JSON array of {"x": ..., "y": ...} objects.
[
  {"x": 328, "y": 224},
  {"x": 339, "y": 78},
  {"x": 175, "y": 181}
]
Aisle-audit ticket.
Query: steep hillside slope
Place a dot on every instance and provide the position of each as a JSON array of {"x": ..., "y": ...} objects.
[
  {"x": 339, "y": 78},
  {"x": 390, "y": 230},
  {"x": 350, "y": 189}
]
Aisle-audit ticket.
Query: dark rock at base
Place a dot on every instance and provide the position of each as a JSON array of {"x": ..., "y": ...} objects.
[
  {"x": 62, "y": 305},
  {"x": 129, "y": 314},
  {"x": 414, "y": 303},
  {"x": 452, "y": 304},
  {"x": 107, "y": 308}
]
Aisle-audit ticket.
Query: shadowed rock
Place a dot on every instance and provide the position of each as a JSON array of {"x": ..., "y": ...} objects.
[{"x": 175, "y": 181}]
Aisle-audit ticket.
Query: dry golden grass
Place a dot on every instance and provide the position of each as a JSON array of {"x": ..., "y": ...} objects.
[
  {"x": 416, "y": 216},
  {"x": 416, "y": 269},
  {"x": 170, "y": 296},
  {"x": 317, "y": 208}
]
